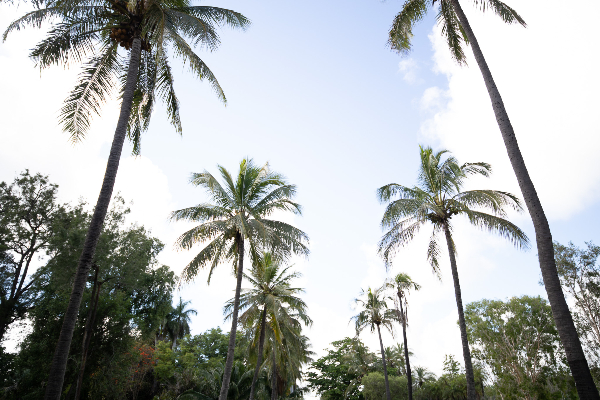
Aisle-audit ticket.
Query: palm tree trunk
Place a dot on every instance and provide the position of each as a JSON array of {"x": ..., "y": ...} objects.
[
  {"x": 408, "y": 372},
  {"x": 560, "y": 311},
  {"x": 471, "y": 394},
  {"x": 61, "y": 354},
  {"x": 234, "y": 320},
  {"x": 385, "y": 374},
  {"x": 87, "y": 333},
  {"x": 274, "y": 394},
  {"x": 261, "y": 341}
]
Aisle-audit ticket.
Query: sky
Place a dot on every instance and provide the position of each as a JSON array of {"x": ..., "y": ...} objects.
[{"x": 313, "y": 89}]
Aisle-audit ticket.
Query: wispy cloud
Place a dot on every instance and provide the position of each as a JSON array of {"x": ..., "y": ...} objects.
[{"x": 409, "y": 68}]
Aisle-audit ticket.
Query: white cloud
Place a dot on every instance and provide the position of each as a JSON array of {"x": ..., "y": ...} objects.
[
  {"x": 409, "y": 68},
  {"x": 551, "y": 98}
]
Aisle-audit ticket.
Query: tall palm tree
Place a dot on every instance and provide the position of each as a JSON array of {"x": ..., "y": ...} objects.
[
  {"x": 271, "y": 291},
  {"x": 403, "y": 284},
  {"x": 238, "y": 213},
  {"x": 457, "y": 30},
  {"x": 437, "y": 199},
  {"x": 286, "y": 352},
  {"x": 178, "y": 321},
  {"x": 374, "y": 314},
  {"x": 93, "y": 31}
]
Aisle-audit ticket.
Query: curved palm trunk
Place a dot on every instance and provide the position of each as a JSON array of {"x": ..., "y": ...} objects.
[
  {"x": 274, "y": 390},
  {"x": 385, "y": 374},
  {"x": 261, "y": 342},
  {"x": 408, "y": 372},
  {"x": 234, "y": 320},
  {"x": 471, "y": 394},
  {"x": 59, "y": 362},
  {"x": 560, "y": 311}
]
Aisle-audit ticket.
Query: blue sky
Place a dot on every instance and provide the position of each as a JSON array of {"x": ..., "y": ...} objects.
[{"x": 313, "y": 90}]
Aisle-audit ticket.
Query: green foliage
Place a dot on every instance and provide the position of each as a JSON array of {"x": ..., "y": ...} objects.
[
  {"x": 374, "y": 386},
  {"x": 128, "y": 280},
  {"x": 195, "y": 367},
  {"x": 28, "y": 213},
  {"x": 518, "y": 341},
  {"x": 337, "y": 375},
  {"x": 274, "y": 298},
  {"x": 579, "y": 273}
]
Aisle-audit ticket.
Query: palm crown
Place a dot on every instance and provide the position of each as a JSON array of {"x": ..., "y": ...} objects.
[
  {"x": 437, "y": 198},
  {"x": 271, "y": 291},
  {"x": 375, "y": 311},
  {"x": 413, "y": 11},
  {"x": 93, "y": 30},
  {"x": 239, "y": 210}
]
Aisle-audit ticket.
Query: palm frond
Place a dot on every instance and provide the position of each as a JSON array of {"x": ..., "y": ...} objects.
[
  {"x": 505, "y": 12},
  {"x": 197, "y": 66},
  {"x": 95, "y": 85},
  {"x": 219, "y": 16},
  {"x": 399, "y": 235},
  {"x": 198, "y": 234},
  {"x": 452, "y": 30},
  {"x": 433, "y": 252},
  {"x": 401, "y": 32},
  {"x": 501, "y": 226}
]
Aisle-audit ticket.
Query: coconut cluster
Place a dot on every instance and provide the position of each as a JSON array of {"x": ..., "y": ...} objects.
[{"x": 123, "y": 34}]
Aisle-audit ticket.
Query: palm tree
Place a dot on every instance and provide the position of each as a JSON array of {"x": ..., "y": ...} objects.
[
  {"x": 286, "y": 351},
  {"x": 93, "y": 31},
  {"x": 178, "y": 321},
  {"x": 403, "y": 285},
  {"x": 422, "y": 375},
  {"x": 272, "y": 290},
  {"x": 375, "y": 312},
  {"x": 457, "y": 30},
  {"x": 238, "y": 213},
  {"x": 437, "y": 199}
]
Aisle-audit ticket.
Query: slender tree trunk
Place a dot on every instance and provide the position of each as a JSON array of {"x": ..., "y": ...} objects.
[
  {"x": 274, "y": 391},
  {"x": 234, "y": 320},
  {"x": 6, "y": 309},
  {"x": 87, "y": 333},
  {"x": 385, "y": 374},
  {"x": 261, "y": 342},
  {"x": 61, "y": 354},
  {"x": 560, "y": 311},
  {"x": 471, "y": 394},
  {"x": 408, "y": 372}
]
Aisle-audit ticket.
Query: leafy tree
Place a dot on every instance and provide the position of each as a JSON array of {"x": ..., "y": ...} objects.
[
  {"x": 374, "y": 386},
  {"x": 93, "y": 31},
  {"x": 579, "y": 274},
  {"x": 195, "y": 367},
  {"x": 403, "y": 284},
  {"x": 28, "y": 209},
  {"x": 125, "y": 260},
  {"x": 375, "y": 312},
  {"x": 518, "y": 341},
  {"x": 238, "y": 213},
  {"x": 271, "y": 290},
  {"x": 456, "y": 28},
  {"x": 437, "y": 199},
  {"x": 334, "y": 376}
]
